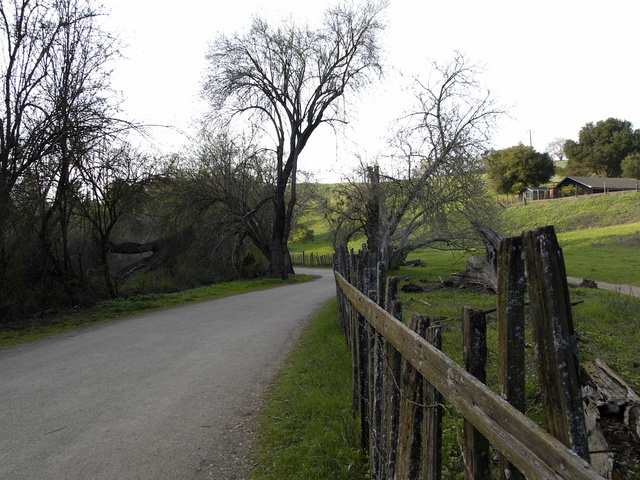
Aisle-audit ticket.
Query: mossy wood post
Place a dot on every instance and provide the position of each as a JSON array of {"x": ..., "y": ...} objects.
[
  {"x": 341, "y": 265},
  {"x": 376, "y": 372},
  {"x": 344, "y": 264},
  {"x": 364, "y": 332},
  {"x": 432, "y": 420},
  {"x": 383, "y": 374},
  {"x": 511, "y": 308},
  {"x": 474, "y": 356},
  {"x": 533, "y": 451},
  {"x": 410, "y": 434},
  {"x": 555, "y": 339},
  {"x": 392, "y": 407}
]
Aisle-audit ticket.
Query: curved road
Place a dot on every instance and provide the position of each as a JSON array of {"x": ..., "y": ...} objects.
[{"x": 163, "y": 395}]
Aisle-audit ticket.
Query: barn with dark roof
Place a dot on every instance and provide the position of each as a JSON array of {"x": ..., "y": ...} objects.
[{"x": 591, "y": 185}]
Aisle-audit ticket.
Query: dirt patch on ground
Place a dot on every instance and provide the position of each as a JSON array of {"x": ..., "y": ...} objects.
[{"x": 230, "y": 459}]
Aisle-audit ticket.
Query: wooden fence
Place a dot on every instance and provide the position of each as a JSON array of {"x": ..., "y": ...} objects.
[
  {"x": 312, "y": 259},
  {"x": 401, "y": 376}
]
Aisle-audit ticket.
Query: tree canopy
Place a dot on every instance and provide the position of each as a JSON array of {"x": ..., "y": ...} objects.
[
  {"x": 513, "y": 169},
  {"x": 602, "y": 147},
  {"x": 631, "y": 166}
]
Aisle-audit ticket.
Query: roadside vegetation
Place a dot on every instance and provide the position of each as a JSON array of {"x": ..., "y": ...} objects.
[
  {"x": 53, "y": 322},
  {"x": 307, "y": 427}
]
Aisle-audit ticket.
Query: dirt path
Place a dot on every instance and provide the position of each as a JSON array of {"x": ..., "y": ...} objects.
[
  {"x": 166, "y": 395},
  {"x": 627, "y": 289}
]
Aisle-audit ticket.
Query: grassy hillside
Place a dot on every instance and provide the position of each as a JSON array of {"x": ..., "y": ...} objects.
[
  {"x": 574, "y": 213},
  {"x": 609, "y": 254},
  {"x": 600, "y": 236}
]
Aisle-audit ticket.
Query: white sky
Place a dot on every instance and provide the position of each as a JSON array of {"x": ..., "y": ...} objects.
[{"x": 557, "y": 64}]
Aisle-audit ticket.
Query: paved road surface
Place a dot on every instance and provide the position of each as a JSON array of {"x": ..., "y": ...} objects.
[{"x": 156, "y": 396}]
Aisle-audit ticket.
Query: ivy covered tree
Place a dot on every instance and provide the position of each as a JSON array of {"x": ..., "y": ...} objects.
[
  {"x": 601, "y": 147},
  {"x": 513, "y": 169}
]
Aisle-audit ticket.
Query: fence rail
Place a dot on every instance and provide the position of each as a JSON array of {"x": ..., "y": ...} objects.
[{"x": 401, "y": 418}]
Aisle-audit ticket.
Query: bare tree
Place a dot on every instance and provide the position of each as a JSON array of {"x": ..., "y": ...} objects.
[
  {"x": 114, "y": 184},
  {"x": 288, "y": 81},
  {"x": 81, "y": 114},
  {"x": 232, "y": 179},
  {"x": 55, "y": 85},
  {"x": 556, "y": 149},
  {"x": 429, "y": 188}
]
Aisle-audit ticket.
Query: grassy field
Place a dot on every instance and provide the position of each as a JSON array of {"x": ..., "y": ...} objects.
[{"x": 599, "y": 235}]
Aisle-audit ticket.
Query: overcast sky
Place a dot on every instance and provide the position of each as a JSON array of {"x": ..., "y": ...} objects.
[{"x": 557, "y": 64}]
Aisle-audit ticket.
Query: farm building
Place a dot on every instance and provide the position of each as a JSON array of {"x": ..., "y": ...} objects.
[
  {"x": 538, "y": 193},
  {"x": 591, "y": 185}
]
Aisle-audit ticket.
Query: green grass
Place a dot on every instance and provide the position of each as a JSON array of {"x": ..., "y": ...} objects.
[
  {"x": 37, "y": 328},
  {"x": 574, "y": 213},
  {"x": 608, "y": 327},
  {"x": 608, "y": 254},
  {"x": 307, "y": 427}
]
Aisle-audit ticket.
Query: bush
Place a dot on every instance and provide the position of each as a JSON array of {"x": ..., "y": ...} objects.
[
  {"x": 631, "y": 166},
  {"x": 302, "y": 234}
]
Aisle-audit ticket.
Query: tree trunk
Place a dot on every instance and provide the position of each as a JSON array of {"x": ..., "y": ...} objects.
[
  {"x": 278, "y": 267},
  {"x": 372, "y": 211},
  {"x": 278, "y": 239}
]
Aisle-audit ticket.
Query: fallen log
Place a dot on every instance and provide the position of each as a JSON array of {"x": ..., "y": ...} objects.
[
  {"x": 607, "y": 395},
  {"x": 482, "y": 270},
  {"x": 162, "y": 250}
]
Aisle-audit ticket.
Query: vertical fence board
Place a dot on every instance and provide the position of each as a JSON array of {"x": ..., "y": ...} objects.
[
  {"x": 555, "y": 338},
  {"x": 374, "y": 404},
  {"x": 432, "y": 419},
  {"x": 362, "y": 339},
  {"x": 394, "y": 373},
  {"x": 511, "y": 309},
  {"x": 411, "y": 411},
  {"x": 474, "y": 353}
]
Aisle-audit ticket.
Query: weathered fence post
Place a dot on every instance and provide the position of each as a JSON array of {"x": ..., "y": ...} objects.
[
  {"x": 432, "y": 419},
  {"x": 534, "y": 452},
  {"x": 410, "y": 435},
  {"x": 362, "y": 352},
  {"x": 474, "y": 354},
  {"x": 554, "y": 335},
  {"x": 511, "y": 290},
  {"x": 393, "y": 375}
]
